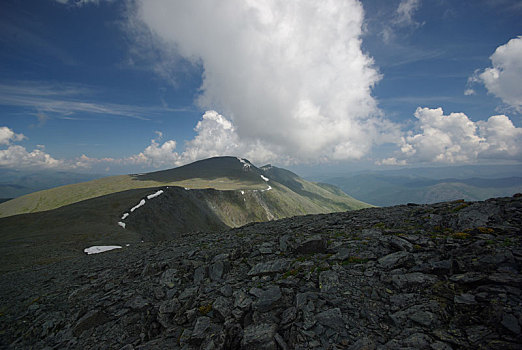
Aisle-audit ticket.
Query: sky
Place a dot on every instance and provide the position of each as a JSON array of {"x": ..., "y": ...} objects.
[{"x": 129, "y": 86}]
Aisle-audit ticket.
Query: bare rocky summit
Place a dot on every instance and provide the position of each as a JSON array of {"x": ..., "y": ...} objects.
[{"x": 441, "y": 276}]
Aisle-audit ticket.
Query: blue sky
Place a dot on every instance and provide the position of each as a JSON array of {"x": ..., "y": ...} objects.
[{"x": 127, "y": 86}]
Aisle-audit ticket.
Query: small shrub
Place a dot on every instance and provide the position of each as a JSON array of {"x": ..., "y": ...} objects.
[
  {"x": 205, "y": 309},
  {"x": 461, "y": 235}
]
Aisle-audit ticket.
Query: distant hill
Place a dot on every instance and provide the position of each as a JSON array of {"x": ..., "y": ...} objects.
[
  {"x": 385, "y": 189},
  {"x": 16, "y": 183},
  {"x": 208, "y": 195}
]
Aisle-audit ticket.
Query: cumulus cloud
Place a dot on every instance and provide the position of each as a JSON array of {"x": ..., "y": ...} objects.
[
  {"x": 16, "y": 156},
  {"x": 454, "y": 138},
  {"x": 504, "y": 77},
  {"x": 7, "y": 136},
  {"x": 290, "y": 76}
]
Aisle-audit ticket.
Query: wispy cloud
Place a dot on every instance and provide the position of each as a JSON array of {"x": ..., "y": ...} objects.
[{"x": 65, "y": 100}]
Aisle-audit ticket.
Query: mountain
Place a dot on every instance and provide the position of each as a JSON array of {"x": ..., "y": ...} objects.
[
  {"x": 388, "y": 188},
  {"x": 208, "y": 195},
  {"x": 440, "y": 276}
]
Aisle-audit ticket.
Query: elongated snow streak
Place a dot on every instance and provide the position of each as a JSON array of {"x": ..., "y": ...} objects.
[
  {"x": 265, "y": 178},
  {"x": 122, "y": 224},
  {"x": 150, "y": 196},
  {"x": 100, "y": 249},
  {"x": 140, "y": 204},
  {"x": 124, "y": 216}
]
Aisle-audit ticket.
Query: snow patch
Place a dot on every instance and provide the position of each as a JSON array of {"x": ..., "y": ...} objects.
[
  {"x": 124, "y": 216},
  {"x": 154, "y": 195},
  {"x": 122, "y": 224},
  {"x": 242, "y": 192},
  {"x": 267, "y": 189},
  {"x": 265, "y": 178},
  {"x": 140, "y": 204},
  {"x": 95, "y": 249},
  {"x": 245, "y": 164}
]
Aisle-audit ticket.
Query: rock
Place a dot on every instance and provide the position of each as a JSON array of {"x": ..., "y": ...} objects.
[
  {"x": 267, "y": 299},
  {"x": 242, "y": 300},
  {"x": 200, "y": 274},
  {"x": 169, "y": 278},
  {"x": 328, "y": 281},
  {"x": 316, "y": 244},
  {"x": 259, "y": 336},
  {"x": 201, "y": 327},
  {"x": 424, "y": 318},
  {"x": 414, "y": 279},
  {"x": 216, "y": 271},
  {"x": 468, "y": 299},
  {"x": 511, "y": 323},
  {"x": 269, "y": 267},
  {"x": 363, "y": 344},
  {"x": 331, "y": 318},
  {"x": 91, "y": 319},
  {"x": 223, "y": 307},
  {"x": 394, "y": 260},
  {"x": 468, "y": 277}
]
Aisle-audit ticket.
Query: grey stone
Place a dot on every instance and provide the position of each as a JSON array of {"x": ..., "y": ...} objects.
[
  {"x": 260, "y": 336},
  {"x": 169, "y": 278},
  {"x": 200, "y": 274},
  {"x": 394, "y": 260},
  {"x": 91, "y": 319},
  {"x": 200, "y": 328},
  {"x": 413, "y": 279},
  {"x": 267, "y": 298},
  {"x": 137, "y": 303},
  {"x": 269, "y": 267},
  {"x": 328, "y": 281},
  {"x": 424, "y": 318},
  {"x": 511, "y": 323},
  {"x": 316, "y": 244},
  {"x": 288, "y": 315},
  {"x": 331, "y": 318},
  {"x": 223, "y": 307},
  {"x": 466, "y": 298},
  {"x": 468, "y": 277},
  {"x": 242, "y": 300},
  {"x": 216, "y": 271}
]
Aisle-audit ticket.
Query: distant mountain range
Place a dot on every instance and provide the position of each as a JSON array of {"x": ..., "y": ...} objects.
[
  {"x": 208, "y": 195},
  {"x": 430, "y": 185},
  {"x": 16, "y": 183}
]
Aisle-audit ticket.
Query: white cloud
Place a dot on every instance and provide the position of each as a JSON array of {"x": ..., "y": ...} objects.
[
  {"x": 289, "y": 76},
  {"x": 454, "y": 138},
  {"x": 405, "y": 12},
  {"x": 504, "y": 77},
  {"x": 7, "y": 136},
  {"x": 156, "y": 155},
  {"x": 16, "y": 156},
  {"x": 469, "y": 92}
]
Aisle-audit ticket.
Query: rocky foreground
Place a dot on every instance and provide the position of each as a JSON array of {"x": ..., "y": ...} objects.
[{"x": 442, "y": 276}]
